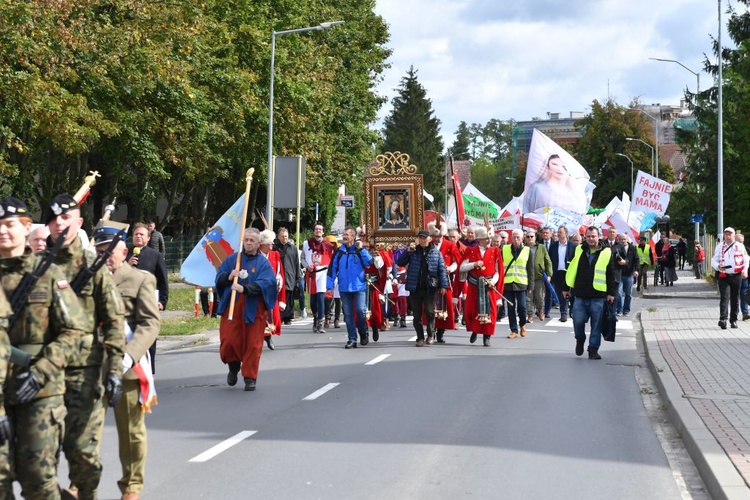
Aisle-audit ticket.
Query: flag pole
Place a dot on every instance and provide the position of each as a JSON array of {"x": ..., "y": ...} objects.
[
  {"x": 455, "y": 194},
  {"x": 248, "y": 181}
]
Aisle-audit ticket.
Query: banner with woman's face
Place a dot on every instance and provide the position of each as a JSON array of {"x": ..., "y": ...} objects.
[{"x": 554, "y": 179}]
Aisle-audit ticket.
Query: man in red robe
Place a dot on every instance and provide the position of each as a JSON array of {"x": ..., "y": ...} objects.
[
  {"x": 484, "y": 264},
  {"x": 445, "y": 314},
  {"x": 267, "y": 238}
]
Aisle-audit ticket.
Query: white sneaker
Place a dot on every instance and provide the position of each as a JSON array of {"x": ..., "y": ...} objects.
[{"x": 304, "y": 313}]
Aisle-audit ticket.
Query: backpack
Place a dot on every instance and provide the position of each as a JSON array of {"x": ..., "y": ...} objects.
[
  {"x": 337, "y": 258},
  {"x": 701, "y": 255}
]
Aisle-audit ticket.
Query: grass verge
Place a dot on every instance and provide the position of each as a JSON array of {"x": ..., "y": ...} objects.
[{"x": 187, "y": 325}]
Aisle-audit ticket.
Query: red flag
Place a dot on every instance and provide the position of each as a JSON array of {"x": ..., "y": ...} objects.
[{"x": 460, "y": 214}]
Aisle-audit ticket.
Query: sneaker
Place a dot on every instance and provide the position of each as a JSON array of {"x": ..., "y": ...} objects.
[
  {"x": 546, "y": 316},
  {"x": 304, "y": 313},
  {"x": 723, "y": 324},
  {"x": 563, "y": 318},
  {"x": 618, "y": 313},
  {"x": 733, "y": 324},
  {"x": 350, "y": 345},
  {"x": 512, "y": 335},
  {"x": 625, "y": 313},
  {"x": 250, "y": 384},
  {"x": 579, "y": 347}
]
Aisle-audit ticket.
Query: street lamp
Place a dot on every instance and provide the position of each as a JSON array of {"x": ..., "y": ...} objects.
[
  {"x": 631, "y": 172},
  {"x": 647, "y": 144},
  {"x": 271, "y": 180},
  {"x": 697, "y": 75},
  {"x": 656, "y": 136}
]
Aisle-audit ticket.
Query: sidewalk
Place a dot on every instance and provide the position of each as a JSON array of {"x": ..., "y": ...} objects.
[{"x": 703, "y": 374}]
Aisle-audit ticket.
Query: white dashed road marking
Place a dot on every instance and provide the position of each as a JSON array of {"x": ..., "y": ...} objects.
[
  {"x": 320, "y": 392},
  {"x": 377, "y": 360},
  {"x": 223, "y": 446}
]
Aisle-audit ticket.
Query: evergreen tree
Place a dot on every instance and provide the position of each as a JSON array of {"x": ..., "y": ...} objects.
[
  {"x": 413, "y": 129},
  {"x": 460, "y": 148}
]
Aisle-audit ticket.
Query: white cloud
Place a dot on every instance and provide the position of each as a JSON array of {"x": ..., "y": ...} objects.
[{"x": 484, "y": 59}]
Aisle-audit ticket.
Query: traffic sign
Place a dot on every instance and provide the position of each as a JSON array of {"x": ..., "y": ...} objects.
[{"x": 347, "y": 201}]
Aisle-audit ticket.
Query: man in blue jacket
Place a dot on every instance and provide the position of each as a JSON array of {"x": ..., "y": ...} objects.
[
  {"x": 425, "y": 275},
  {"x": 348, "y": 265}
]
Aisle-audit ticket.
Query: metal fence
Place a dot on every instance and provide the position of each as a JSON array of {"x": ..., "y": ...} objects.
[{"x": 178, "y": 249}]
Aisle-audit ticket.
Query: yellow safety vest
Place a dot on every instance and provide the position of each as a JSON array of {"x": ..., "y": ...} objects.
[
  {"x": 644, "y": 256},
  {"x": 516, "y": 272},
  {"x": 600, "y": 269}
]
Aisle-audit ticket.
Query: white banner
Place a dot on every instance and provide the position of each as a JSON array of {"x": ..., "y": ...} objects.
[{"x": 651, "y": 194}]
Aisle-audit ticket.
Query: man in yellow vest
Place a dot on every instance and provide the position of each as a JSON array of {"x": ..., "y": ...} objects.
[
  {"x": 645, "y": 261},
  {"x": 519, "y": 277},
  {"x": 591, "y": 280}
]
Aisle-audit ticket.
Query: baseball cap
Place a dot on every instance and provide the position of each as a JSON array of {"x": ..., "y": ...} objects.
[
  {"x": 729, "y": 230},
  {"x": 423, "y": 234}
]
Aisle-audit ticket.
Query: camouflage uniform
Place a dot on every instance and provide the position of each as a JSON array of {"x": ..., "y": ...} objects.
[
  {"x": 49, "y": 327},
  {"x": 102, "y": 344},
  {"x": 5, "y": 311},
  {"x": 138, "y": 291}
]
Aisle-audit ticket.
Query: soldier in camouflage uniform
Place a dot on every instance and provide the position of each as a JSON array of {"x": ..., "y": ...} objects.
[
  {"x": 102, "y": 344},
  {"x": 49, "y": 326},
  {"x": 142, "y": 321}
]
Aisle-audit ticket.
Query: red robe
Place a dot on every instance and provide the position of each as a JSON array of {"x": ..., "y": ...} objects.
[
  {"x": 451, "y": 256},
  {"x": 457, "y": 286},
  {"x": 274, "y": 258},
  {"x": 377, "y": 318},
  {"x": 317, "y": 254},
  {"x": 493, "y": 263}
]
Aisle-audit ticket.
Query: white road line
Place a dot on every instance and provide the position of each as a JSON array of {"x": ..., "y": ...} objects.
[
  {"x": 413, "y": 339},
  {"x": 223, "y": 446},
  {"x": 320, "y": 392},
  {"x": 377, "y": 360}
]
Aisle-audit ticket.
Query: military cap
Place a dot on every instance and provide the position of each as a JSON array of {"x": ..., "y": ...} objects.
[
  {"x": 60, "y": 204},
  {"x": 13, "y": 207},
  {"x": 105, "y": 231}
]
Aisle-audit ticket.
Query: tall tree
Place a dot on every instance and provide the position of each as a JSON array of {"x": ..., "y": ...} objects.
[
  {"x": 460, "y": 148},
  {"x": 412, "y": 128},
  {"x": 697, "y": 192}
]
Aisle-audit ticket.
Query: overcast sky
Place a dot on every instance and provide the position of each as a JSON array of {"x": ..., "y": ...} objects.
[{"x": 519, "y": 59}]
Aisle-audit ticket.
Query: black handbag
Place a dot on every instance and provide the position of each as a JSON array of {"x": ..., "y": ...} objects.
[{"x": 609, "y": 322}]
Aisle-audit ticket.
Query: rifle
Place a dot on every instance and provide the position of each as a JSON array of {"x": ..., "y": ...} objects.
[
  {"x": 86, "y": 273},
  {"x": 21, "y": 294}
]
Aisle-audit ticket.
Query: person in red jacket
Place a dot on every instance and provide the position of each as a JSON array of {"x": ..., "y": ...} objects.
[
  {"x": 267, "y": 238},
  {"x": 445, "y": 316}
]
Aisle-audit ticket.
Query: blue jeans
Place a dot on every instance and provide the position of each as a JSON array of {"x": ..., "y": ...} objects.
[
  {"x": 624, "y": 292},
  {"x": 743, "y": 293},
  {"x": 517, "y": 311},
  {"x": 354, "y": 303},
  {"x": 583, "y": 310}
]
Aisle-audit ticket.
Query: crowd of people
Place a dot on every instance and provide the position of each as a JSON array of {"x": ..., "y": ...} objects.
[{"x": 444, "y": 276}]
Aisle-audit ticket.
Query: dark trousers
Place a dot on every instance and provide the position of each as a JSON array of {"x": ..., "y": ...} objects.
[
  {"x": 558, "y": 280},
  {"x": 729, "y": 292},
  {"x": 423, "y": 300},
  {"x": 288, "y": 313}
]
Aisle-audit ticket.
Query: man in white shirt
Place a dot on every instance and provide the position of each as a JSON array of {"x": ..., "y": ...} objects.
[{"x": 730, "y": 262}]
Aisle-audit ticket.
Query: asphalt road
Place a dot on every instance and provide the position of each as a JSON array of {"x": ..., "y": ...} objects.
[{"x": 524, "y": 418}]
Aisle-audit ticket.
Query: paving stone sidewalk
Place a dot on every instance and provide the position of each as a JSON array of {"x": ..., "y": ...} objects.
[{"x": 703, "y": 373}]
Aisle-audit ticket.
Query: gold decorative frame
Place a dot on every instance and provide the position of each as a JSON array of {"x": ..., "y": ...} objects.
[{"x": 393, "y": 178}]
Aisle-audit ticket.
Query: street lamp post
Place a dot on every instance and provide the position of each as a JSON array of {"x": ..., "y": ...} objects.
[
  {"x": 631, "y": 172},
  {"x": 271, "y": 180},
  {"x": 650, "y": 147},
  {"x": 656, "y": 136},
  {"x": 697, "y": 75}
]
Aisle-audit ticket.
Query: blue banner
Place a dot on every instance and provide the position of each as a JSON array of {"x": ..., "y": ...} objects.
[{"x": 221, "y": 241}]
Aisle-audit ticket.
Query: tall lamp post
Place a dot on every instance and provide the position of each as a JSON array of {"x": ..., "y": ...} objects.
[
  {"x": 697, "y": 75},
  {"x": 271, "y": 180},
  {"x": 631, "y": 172},
  {"x": 656, "y": 136},
  {"x": 649, "y": 146}
]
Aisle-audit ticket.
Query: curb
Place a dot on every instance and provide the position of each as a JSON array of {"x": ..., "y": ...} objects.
[
  {"x": 166, "y": 343},
  {"x": 718, "y": 472}
]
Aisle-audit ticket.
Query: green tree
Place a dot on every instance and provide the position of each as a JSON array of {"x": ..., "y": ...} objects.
[
  {"x": 605, "y": 130},
  {"x": 697, "y": 192},
  {"x": 460, "y": 148},
  {"x": 412, "y": 128}
]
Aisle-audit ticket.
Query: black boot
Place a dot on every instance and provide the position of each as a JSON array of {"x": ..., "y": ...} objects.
[
  {"x": 269, "y": 343},
  {"x": 486, "y": 340},
  {"x": 249, "y": 384},
  {"x": 316, "y": 325},
  {"x": 594, "y": 354},
  {"x": 234, "y": 369},
  {"x": 375, "y": 334},
  {"x": 364, "y": 338},
  {"x": 403, "y": 322},
  {"x": 440, "y": 334}
]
